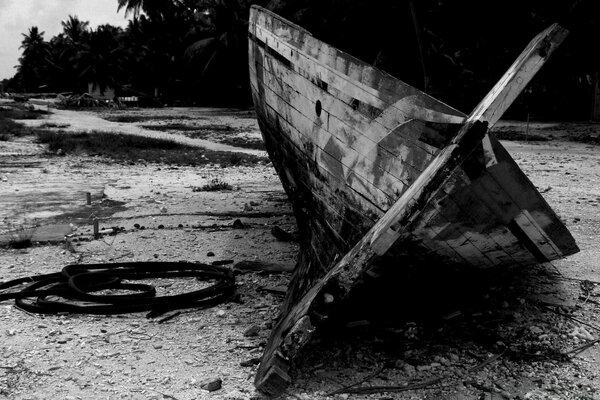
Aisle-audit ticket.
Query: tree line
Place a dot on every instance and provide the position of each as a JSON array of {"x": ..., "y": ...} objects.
[
  {"x": 177, "y": 51},
  {"x": 195, "y": 51}
]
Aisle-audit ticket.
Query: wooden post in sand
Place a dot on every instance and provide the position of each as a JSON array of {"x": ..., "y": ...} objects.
[
  {"x": 88, "y": 198},
  {"x": 96, "y": 229}
]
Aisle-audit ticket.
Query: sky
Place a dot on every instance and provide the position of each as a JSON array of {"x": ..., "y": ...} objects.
[{"x": 17, "y": 16}]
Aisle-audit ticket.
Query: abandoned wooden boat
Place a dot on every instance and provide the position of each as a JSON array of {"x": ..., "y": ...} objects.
[{"x": 378, "y": 170}]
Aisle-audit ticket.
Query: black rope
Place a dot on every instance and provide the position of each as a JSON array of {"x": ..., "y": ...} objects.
[{"x": 76, "y": 284}]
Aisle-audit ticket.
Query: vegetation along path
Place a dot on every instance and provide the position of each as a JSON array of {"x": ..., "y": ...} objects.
[{"x": 83, "y": 121}]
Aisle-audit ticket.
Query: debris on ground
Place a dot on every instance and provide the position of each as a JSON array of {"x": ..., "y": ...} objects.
[
  {"x": 212, "y": 385},
  {"x": 532, "y": 333}
]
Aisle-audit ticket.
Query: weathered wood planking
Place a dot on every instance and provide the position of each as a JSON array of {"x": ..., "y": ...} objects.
[
  {"x": 503, "y": 190},
  {"x": 387, "y": 119},
  {"x": 345, "y": 128},
  {"x": 351, "y": 128},
  {"x": 477, "y": 219},
  {"x": 314, "y": 186},
  {"x": 351, "y": 76},
  {"x": 339, "y": 164},
  {"x": 333, "y": 168},
  {"x": 375, "y": 168},
  {"x": 424, "y": 106},
  {"x": 318, "y": 185}
]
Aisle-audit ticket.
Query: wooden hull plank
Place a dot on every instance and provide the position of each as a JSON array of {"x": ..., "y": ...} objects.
[
  {"x": 378, "y": 163},
  {"x": 391, "y": 115},
  {"x": 349, "y": 127},
  {"x": 323, "y": 182},
  {"x": 333, "y": 151},
  {"x": 340, "y": 172},
  {"x": 353, "y": 77},
  {"x": 472, "y": 214}
]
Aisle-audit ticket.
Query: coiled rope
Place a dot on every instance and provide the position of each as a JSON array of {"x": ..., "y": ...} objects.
[{"x": 73, "y": 290}]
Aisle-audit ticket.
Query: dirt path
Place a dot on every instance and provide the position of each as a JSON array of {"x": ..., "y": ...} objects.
[{"x": 84, "y": 121}]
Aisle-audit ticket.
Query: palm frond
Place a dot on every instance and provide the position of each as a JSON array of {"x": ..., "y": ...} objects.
[{"x": 200, "y": 46}]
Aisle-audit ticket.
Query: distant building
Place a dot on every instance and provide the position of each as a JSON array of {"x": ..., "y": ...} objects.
[{"x": 107, "y": 94}]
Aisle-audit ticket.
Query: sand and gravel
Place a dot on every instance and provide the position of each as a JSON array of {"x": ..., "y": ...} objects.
[{"x": 499, "y": 334}]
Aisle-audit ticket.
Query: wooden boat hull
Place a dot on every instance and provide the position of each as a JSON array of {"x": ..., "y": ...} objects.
[{"x": 347, "y": 140}]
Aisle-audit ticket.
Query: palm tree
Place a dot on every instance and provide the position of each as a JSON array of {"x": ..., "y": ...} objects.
[
  {"x": 75, "y": 30},
  {"x": 154, "y": 9},
  {"x": 32, "y": 40},
  {"x": 132, "y": 6},
  {"x": 102, "y": 57},
  {"x": 32, "y": 65},
  {"x": 223, "y": 25},
  {"x": 73, "y": 45}
]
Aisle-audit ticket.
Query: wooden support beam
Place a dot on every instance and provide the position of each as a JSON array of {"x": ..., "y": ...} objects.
[{"x": 519, "y": 75}]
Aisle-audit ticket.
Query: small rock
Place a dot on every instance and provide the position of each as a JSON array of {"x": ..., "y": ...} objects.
[
  {"x": 221, "y": 313},
  {"x": 252, "y": 331},
  {"x": 409, "y": 369},
  {"x": 248, "y": 207},
  {"x": 281, "y": 235},
  {"x": 517, "y": 316},
  {"x": 237, "y": 224},
  {"x": 161, "y": 226},
  {"x": 235, "y": 395},
  {"x": 251, "y": 362},
  {"x": 328, "y": 298},
  {"x": 212, "y": 385},
  {"x": 536, "y": 330},
  {"x": 136, "y": 226},
  {"x": 582, "y": 333},
  {"x": 500, "y": 346},
  {"x": 210, "y": 254},
  {"x": 441, "y": 360},
  {"x": 163, "y": 210}
]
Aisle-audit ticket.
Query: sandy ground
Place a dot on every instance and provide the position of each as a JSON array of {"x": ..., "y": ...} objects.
[{"x": 516, "y": 336}]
